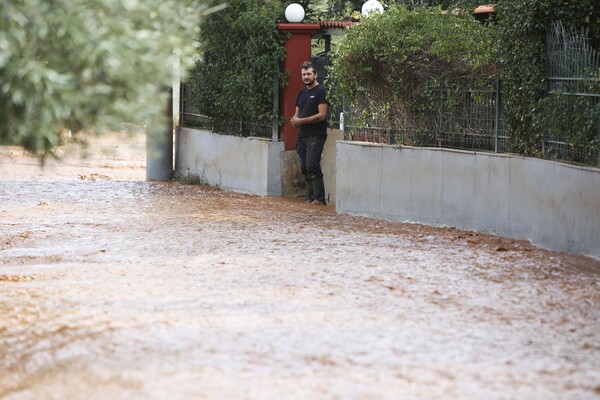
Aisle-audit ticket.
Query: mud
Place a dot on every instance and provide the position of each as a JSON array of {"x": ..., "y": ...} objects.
[{"x": 113, "y": 287}]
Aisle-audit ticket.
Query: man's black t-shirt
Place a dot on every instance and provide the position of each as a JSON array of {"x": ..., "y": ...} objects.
[{"x": 308, "y": 103}]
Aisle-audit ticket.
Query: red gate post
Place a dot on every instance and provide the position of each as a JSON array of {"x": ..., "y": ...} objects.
[{"x": 298, "y": 50}]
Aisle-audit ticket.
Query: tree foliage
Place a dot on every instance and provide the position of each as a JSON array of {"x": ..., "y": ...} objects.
[
  {"x": 340, "y": 9},
  {"x": 76, "y": 64},
  {"x": 242, "y": 51}
]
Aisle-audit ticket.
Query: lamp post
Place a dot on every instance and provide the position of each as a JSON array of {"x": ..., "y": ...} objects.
[
  {"x": 294, "y": 13},
  {"x": 371, "y": 6}
]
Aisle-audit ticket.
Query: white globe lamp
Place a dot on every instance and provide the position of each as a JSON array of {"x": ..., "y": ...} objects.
[
  {"x": 294, "y": 13},
  {"x": 371, "y": 6}
]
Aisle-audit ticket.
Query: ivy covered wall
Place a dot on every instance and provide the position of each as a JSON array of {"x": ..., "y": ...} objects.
[{"x": 523, "y": 28}]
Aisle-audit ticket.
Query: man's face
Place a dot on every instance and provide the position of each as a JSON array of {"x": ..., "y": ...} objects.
[{"x": 308, "y": 76}]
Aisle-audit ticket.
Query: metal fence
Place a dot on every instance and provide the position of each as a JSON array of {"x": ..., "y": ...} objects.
[
  {"x": 573, "y": 104},
  {"x": 469, "y": 115},
  {"x": 191, "y": 116},
  {"x": 466, "y": 114}
]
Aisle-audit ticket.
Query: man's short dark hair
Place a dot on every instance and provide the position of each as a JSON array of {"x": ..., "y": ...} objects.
[{"x": 307, "y": 65}]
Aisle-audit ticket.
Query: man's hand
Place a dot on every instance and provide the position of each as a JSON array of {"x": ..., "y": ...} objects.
[{"x": 295, "y": 121}]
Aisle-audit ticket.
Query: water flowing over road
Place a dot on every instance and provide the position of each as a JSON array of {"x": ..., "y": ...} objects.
[{"x": 113, "y": 287}]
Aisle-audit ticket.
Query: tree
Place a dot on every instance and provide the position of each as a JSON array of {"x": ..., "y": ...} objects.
[
  {"x": 76, "y": 64},
  {"x": 344, "y": 8}
]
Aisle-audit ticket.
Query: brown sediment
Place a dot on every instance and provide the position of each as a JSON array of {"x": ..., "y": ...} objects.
[{"x": 124, "y": 288}]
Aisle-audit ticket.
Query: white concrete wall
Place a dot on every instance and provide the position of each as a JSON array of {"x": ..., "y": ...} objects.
[
  {"x": 246, "y": 165},
  {"x": 555, "y": 205},
  {"x": 328, "y": 163}
]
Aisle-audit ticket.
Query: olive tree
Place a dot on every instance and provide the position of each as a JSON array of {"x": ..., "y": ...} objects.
[{"x": 80, "y": 65}]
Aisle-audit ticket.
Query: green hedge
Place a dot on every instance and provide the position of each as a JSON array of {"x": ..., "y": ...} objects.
[
  {"x": 242, "y": 51},
  {"x": 394, "y": 59}
]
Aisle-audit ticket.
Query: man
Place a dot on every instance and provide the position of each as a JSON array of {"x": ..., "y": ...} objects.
[{"x": 311, "y": 120}]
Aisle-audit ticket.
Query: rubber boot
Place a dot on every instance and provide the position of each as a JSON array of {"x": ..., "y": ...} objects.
[
  {"x": 319, "y": 190},
  {"x": 310, "y": 197}
]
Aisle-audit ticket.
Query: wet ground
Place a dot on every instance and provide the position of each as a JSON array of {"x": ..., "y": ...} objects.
[{"x": 112, "y": 287}]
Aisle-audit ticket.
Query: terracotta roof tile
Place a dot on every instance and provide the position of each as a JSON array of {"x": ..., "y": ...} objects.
[
  {"x": 336, "y": 24},
  {"x": 484, "y": 9}
]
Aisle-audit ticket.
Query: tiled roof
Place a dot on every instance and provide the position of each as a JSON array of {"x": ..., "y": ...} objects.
[
  {"x": 336, "y": 24},
  {"x": 484, "y": 9}
]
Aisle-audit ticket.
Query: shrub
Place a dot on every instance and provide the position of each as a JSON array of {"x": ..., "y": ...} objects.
[
  {"x": 393, "y": 61},
  {"x": 242, "y": 51}
]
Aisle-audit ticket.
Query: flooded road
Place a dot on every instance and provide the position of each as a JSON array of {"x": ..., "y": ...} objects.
[{"x": 112, "y": 287}]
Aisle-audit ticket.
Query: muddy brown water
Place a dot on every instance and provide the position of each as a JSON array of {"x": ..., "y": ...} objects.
[{"x": 113, "y": 287}]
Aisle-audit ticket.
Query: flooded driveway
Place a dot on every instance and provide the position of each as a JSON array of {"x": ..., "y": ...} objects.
[{"x": 112, "y": 287}]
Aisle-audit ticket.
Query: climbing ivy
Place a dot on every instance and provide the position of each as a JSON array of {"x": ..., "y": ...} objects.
[{"x": 523, "y": 27}]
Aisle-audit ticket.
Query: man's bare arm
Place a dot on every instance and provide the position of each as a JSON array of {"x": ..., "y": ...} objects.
[{"x": 313, "y": 119}]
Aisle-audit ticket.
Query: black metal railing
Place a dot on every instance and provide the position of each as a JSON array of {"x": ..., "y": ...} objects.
[
  {"x": 573, "y": 103},
  {"x": 464, "y": 114},
  {"x": 192, "y": 117}
]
